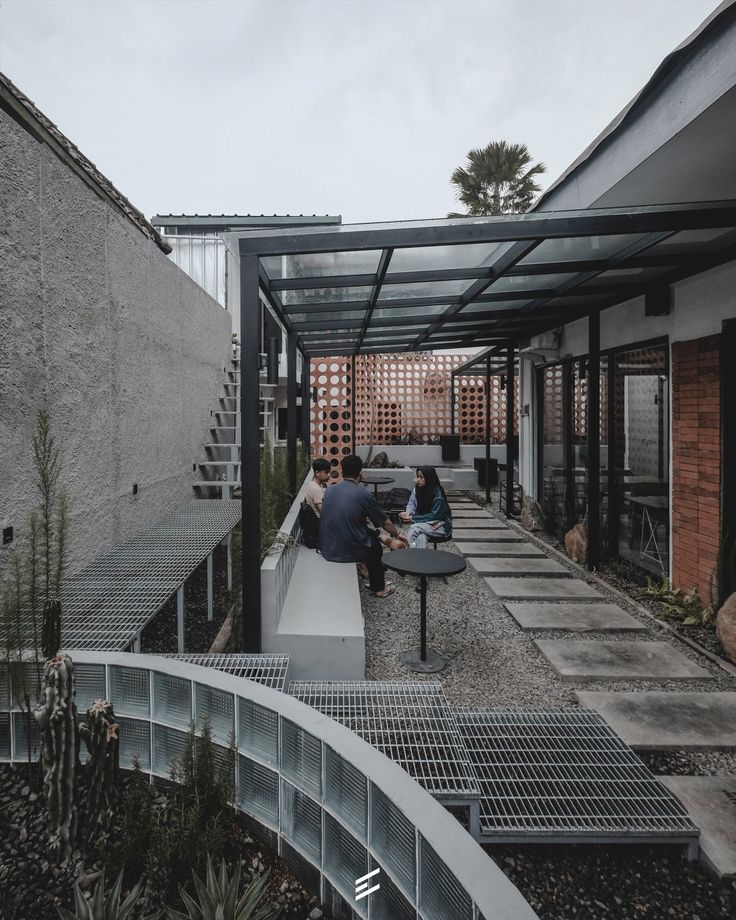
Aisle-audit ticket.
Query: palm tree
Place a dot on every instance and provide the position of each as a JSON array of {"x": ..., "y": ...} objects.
[{"x": 497, "y": 179}]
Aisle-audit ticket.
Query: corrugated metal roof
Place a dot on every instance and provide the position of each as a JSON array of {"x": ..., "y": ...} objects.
[{"x": 43, "y": 129}]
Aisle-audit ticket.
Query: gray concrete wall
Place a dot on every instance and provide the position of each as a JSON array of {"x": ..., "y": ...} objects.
[{"x": 126, "y": 350}]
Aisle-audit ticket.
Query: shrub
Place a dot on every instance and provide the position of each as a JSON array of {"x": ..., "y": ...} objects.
[{"x": 218, "y": 898}]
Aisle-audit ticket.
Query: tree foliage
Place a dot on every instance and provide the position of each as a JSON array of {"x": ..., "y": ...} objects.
[{"x": 499, "y": 178}]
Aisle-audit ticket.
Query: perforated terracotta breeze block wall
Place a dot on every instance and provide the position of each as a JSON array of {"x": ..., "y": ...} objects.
[
  {"x": 696, "y": 463},
  {"x": 331, "y": 415}
]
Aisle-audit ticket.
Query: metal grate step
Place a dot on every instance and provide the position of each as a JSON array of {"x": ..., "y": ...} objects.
[
  {"x": 269, "y": 670},
  {"x": 564, "y": 775}
]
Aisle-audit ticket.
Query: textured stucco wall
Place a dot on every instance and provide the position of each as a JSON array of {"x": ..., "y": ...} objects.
[{"x": 127, "y": 352}]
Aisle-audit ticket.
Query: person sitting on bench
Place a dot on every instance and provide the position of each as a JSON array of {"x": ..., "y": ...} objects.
[{"x": 428, "y": 510}]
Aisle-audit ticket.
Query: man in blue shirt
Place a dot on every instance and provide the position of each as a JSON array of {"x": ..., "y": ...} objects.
[{"x": 344, "y": 532}]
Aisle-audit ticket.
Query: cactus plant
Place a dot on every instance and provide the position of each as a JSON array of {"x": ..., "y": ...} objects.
[
  {"x": 56, "y": 716},
  {"x": 100, "y": 907},
  {"x": 100, "y": 734},
  {"x": 51, "y": 628},
  {"x": 218, "y": 898}
]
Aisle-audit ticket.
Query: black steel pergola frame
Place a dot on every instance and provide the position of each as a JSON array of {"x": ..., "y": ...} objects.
[{"x": 315, "y": 330}]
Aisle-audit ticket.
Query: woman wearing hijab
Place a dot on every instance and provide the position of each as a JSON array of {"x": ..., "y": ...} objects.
[{"x": 428, "y": 511}]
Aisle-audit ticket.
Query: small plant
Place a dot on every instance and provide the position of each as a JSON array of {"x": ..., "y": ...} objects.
[
  {"x": 136, "y": 834},
  {"x": 57, "y": 719},
  {"x": 100, "y": 907},
  {"x": 676, "y": 604},
  {"x": 100, "y": 734},
  {"x": 218, "y": 898}
]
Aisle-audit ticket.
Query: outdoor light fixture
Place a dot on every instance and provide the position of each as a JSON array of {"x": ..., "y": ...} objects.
[{"x": 658, "y": 300}]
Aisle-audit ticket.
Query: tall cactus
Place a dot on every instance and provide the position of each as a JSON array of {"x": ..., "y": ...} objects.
[
  {"x": 51, "y": 629},
  {"x": 100, "y": 733},
  {"x": 56, "y": 716}
]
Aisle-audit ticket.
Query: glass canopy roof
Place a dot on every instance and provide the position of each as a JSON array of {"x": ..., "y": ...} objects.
[{"x": 471, "y": 282}]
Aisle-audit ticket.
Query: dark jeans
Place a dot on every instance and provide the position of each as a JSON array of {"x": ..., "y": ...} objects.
[{"x": 376, "y": 571}]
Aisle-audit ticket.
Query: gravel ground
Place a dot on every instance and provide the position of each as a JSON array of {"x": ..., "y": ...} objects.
[{"x": 160, "y": 634}]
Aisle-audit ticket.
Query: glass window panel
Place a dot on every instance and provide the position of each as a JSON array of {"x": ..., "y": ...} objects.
[
  {"x": 20, "y": 737},
  {"x": 291, "y": 299},
  {"x": 129, "y": 690},
  {"x": 5, "y": 736},
  {"x": 691, "y": 241},
  {"x": 168, "y": 748},
  {"x": 217, "y": 706},
  {"x": 392, "y": 838},
  {"x": 135, "y": 741},
  {"x": 345, "y": 859},
  {"x": 386, "y": 312},
  {"x": 301, "y": 757},
  {"x": 258, "y": 729},
  {"x": 172, "y": 699},
  {"x": 301, "y": 820},
  {"x": 328, "y": 317},
  {"x": 346, "y": 791},
  {"x": 441, "y": 897},
  {"x": 319, "y": 264},
  {"x": 626, "y": 276},
  {"x": 258, "y": 790},
  {"x": 579, "y": 248},
  {"x": 481, "y": 307},
  {"x": 529, "y": 282},
  {"x": 428, "y": 258},
  {"x": 423, "y": 289}
]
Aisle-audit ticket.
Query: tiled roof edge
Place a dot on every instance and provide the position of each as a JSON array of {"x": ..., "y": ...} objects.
[{"x": 32, "y": 118}]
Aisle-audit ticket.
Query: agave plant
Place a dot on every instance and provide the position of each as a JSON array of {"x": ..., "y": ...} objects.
[
  {"x": 100, "y": 907},
  {"x": 218, "y": 899}
]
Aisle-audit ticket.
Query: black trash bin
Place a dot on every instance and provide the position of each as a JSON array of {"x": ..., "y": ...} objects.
[
  {"x": 450, "y": 444},
  {"x": 480, "y": 464}
]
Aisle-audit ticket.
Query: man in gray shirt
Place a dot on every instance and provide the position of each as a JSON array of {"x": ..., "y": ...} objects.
[{"x": 344, "y": 532}]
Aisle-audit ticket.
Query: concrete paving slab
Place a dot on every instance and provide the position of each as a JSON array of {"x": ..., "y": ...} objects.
[
  {"x": 473, "y": 513},
  {"x": 515, "y": 567},
  {"x": 711, "y": 803},
  {"x": 572, "y": 617},
  {"x": 487, "y": 523},
  {"x": 480, "y": 548},
  {"x": 585, "y": 660},
  {"x": 490, "y": 534},
  {"x": 661, "y": 720},
  {"x": 543, "y": 589}
]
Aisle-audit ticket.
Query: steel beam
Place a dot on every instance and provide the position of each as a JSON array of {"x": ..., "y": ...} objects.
[
  {"x": 488, "y": 430},
  {"x": 509, "y": 430},
  {"x": 250, "y": 468},
  {"x": 306, "y": 408},
  {"x": 291, "y": 411},
  {"x": 594, "y": 440}
]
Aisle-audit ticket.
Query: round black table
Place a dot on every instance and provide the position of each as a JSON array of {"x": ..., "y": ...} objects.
[
  {"x": 376, "y": 481},
  {"x": 426, "y": 563}
]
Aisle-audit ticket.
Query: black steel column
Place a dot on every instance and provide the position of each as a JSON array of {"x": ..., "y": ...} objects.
[
  {"x": 488, "y": 430},
  {"x": 291, "y": 411},
  {"x": 306, "y": 409},
  {"x": 250, "y": 450},
  {"x": 352, "y": 402},
  {"x": 568, "y": 447},
  {"x": 594, "y": 439},
  {"x": 510, "y": 430},
  {"x": 452, "y": 404}
]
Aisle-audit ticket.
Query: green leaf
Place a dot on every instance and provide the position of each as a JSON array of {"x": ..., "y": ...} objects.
[{"x": 113, "y": 899}]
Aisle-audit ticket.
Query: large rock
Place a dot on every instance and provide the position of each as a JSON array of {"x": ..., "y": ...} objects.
[
  {"x": 531, "y": 514},
  {"x": 576, "y": 542},
  {"x": 726, "y": 626}
]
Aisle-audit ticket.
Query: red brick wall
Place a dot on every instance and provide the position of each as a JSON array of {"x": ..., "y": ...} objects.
[{"x": 696, "y": 464}]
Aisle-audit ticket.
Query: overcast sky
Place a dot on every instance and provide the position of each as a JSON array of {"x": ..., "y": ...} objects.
[{"x": 302, "y": 106}]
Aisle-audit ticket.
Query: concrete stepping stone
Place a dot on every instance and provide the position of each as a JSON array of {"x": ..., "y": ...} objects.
[
  {"x": 661, "y": 720},
  {"x": 514, "y": 567},
  {"x": 480, "y": 548},
  {"x": 491, "y": 535},
  {"x": 472, "y": 513},
  {"x": 600, "y": 660},
  {"x": 487, "y": 523},
  {"x": 572, "y": 617},
  {"x": 543, "y": 589},
  {"x": 711, "y": 803}
]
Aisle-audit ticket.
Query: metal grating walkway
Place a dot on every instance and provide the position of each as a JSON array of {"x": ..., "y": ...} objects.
[
  {"x": 564, "y": 775},
  {"x": 269, "y": 670},
  {"x": 105, "y": 606},
  {"x": 410, "y": 723}
]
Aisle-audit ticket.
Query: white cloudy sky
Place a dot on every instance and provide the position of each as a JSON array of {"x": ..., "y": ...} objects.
[{"x": 353, "y": 107}]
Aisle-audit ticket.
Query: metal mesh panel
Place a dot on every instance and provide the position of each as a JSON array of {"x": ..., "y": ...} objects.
[
  {"x": 135, "y": 740},
  {"x": 130, "y": 690},
  {"x": 5, "y": 735},
  {"x": 441, "y": 897},
  {"x": 168, "y": 747},
  {"x": 346, "y": 792},
  {"x": 89, "y": 685},
  {"x": 258, "y": 729},
  {"x": 269, "y": 670},
  {"x": 410, "y": 723},
  {"x": 218, "y": 707},
  {"x": 307, "y": 874},
  {"x": 172, "y": 699},
  {"x": 564, "y": 771},
  {"x": 301, "y": 821},
  {"x": 388, "y": 903},
  {"x": 345, "y": 859},
  {"x": 258, "y": 790},
  {"x": 20, "y": 737},
  {"x": 301, "y": 757},
  {"x": 393, "y": 839}
]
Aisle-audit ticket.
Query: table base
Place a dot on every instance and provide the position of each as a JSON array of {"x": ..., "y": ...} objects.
[{"x": 413, "y": 660}]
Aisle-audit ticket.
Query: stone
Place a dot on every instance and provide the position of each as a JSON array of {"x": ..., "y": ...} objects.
[
  {"x": 585, "y": 660},
  {"x": 490, "y": 534},
  {"x": 577, "y": 617},
  {"x": 576, "y": 543},
  {"x": 518, "y": 550},
  {"x": 726, "y": 626},
  {"x": 542, "y": 589},
  {"x": 478, "y": 523},
  {"x": 532, "y": 517},
  {"x": 663, "y": 720},
  {"x": 516, "y": 567}
]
